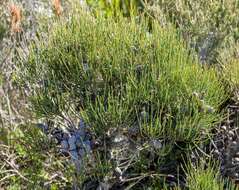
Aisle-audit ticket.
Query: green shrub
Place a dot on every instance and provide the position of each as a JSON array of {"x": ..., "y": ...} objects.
[
  {"x": 206, "y": 176},
  {"x": 211, "y": 27},
  {"x": 121, "y": 74},
  {"x": 231, "y": 76},
  {"x": 231, "y": 72},
  {"x": 114, "y": 7},
  {"x": 29, "y": 161}
]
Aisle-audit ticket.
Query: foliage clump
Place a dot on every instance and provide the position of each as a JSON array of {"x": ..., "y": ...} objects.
[
  {"x": 210, "y": 27},
  {"x": 231, "y": 72},
  {"x": 206, "y": 176},
  {"x": 231, "y": 76},
  {"x": 29, "y": 160},
  {"x": 121, "y": 73}
]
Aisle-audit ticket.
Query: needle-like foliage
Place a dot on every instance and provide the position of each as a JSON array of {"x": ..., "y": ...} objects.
[{"x": 121, "y": 70}]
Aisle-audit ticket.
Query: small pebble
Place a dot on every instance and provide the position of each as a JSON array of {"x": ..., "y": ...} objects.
[
  {"x": 230, "y": 139},
  {"x": 237, "y": 154},
  {"x": 234, "y": 144},
  {"x": 224, "y": 127},
  {"x": 209, "y": 109},
  {"x": 157, "y": 144},
  {"x": 236, "y": 175},
  {"x": 216, "y": 153},
  {"x": 236, "y": 159},
  {"x": 119, "y": 138},
  {"x": 231, "y": 133}
]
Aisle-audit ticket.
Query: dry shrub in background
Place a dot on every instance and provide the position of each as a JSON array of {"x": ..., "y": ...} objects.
[
  {"x": 16, "y": 18},
  {"x": 57, "y": 7}
]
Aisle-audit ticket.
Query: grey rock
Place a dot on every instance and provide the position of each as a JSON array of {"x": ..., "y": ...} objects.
[
  {"x": 224, "y": 127},
  {"x": 119, "y": 138},
  {"x": 237, "y": 154},
  {"x": 231, "y": 133},
  {"x": 64, "y": 146},
  {"x": 236, "y": 159},
  {"x": 74, "y": 155},
  {"x": 87, "y": 146},
  {"x": 72, "y": 142},
  {"x": 234, "y": 144},
  {"x": 79, "y": 143}
]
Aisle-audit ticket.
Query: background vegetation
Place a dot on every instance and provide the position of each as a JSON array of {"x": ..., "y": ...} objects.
[{"x": 157, "y": 74}]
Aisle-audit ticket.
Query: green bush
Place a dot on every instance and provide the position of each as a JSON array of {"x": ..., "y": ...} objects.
[
  {"x": 231, "y": 72},
  {"x": 120, "y": 74},
  {"x": 231, "y": 76},
  {"x": 114, "y": 7},
  {"x": 30, "y": 161},
  {"x": 206, "y": 176},
  {"x": 211, "y": 27}
]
